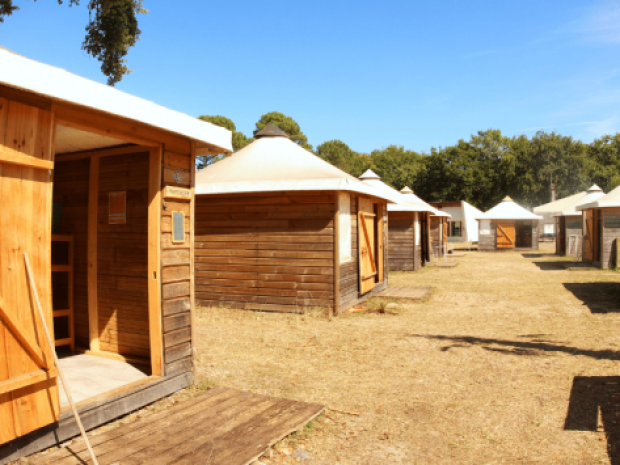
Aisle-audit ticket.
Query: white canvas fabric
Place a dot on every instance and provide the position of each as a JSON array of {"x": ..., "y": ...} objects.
[
  {"x": 508, "y": 209},
  {"x": 605, "y": 201},
  {"x": 272, "y": 164},
  {"x": 402, "y": 202},
  {"x": 56, "y": 83},
  {"x": 591, "y": 195}
]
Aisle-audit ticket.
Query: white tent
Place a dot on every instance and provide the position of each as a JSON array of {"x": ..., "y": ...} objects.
[
  {"x": 508, "y": 209},
  {"x": 271, "y": 164},
  {"x": 403, "y": 202},
  {"x": 32, "y": 76},
  {"x": 610, "y": 200},
  {"x": 586, "y": 197}
]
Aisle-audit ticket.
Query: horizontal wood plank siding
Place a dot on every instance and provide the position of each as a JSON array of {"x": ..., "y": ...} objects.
[
  {"x": 611, "y": 224},
  {"x": 402, "y": 253},
  {"x": 265, "y": 251},
  {"x": 122, "y": 257}
]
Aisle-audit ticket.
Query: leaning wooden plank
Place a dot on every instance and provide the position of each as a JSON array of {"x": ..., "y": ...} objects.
[
  {"x": 33, "y": 289},
  {"x": 22, "y": 335}
]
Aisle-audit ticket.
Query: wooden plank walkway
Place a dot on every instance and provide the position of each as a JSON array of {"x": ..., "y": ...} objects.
[
  {"x": 411, "y": 293},
  {"x": 223, "y": 426}
]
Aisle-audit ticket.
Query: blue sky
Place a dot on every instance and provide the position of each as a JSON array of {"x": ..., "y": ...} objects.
[{"x": 417, "y": 74}]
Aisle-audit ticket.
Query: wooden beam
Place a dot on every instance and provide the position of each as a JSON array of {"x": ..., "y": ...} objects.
[
  {"x": 154, "y": 261},
  {"x": 93, "y": 198},
  {"x": 106, "y": 152},
  {"x": 334, "y": 311},
  {"x": 192, "y": 218},
  {"x": 16, "y": 158},
  {"x": 21, "y": 334},
  {"x": 13, "y": 384}
]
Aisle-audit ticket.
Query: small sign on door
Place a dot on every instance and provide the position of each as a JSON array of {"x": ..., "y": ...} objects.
[{"x": 178, "y": 227}]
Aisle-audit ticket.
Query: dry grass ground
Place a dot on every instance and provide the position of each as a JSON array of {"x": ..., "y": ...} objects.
[{"x": 507, "y": 362}]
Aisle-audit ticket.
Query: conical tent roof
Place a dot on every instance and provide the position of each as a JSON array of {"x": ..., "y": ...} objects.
[
  {"x": 508, "y": 209},
  {"x": 610, "y": 200},
  {"x": 592, "y": 194},
  {"x": 402, "y": 202},
  {"x": 271, "y": 164},
  {"x": 567, "y": 205}
]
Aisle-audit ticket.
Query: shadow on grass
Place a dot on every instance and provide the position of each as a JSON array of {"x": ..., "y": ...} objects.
[
  {"x": 590, "y": 394},
  {"x": 537, "y": 255},
  {"x": 598, "y": 297},
  {"x": 537, "y": 347},
  {"x": 552, "y": 266}
]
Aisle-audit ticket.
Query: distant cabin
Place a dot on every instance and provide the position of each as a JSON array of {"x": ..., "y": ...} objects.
[
  {"x": 279, "y": 229},
  {"x": 601, "y": 228},
  {"x": 508, "y": 226},
  {"x": 462, "y": 224}
]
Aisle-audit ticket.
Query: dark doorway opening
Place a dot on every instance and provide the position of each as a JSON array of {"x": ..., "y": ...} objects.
[{"x": 524, "y": 233}]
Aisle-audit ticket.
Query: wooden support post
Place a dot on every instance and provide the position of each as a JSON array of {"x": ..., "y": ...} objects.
[
  {"x": 334, "y": 311},
  {"x": 154, "y": 261},
  {"x": 192, "y": 303},
  {"x": 93, "y": 198}
]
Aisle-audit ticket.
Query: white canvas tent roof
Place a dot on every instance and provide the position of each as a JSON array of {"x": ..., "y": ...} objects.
[
  {"x": 606, "y": 201},
  {"x": 592, "y": 194},
  {"x": 272, "y": 164},
  {"x": 403, "y": 202},
  {"x": 56, "y": 83},
  {"x": 508, "y": 209}
]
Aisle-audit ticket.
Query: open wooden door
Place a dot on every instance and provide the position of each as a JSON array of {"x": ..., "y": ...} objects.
[
  {"x": 28, "y": 386},
  {"x": 367, "y": 245},
  {"x": 506, "y": 235},
  {"x": 444, "y": 231},
  {"x": 379, "y": 246}
]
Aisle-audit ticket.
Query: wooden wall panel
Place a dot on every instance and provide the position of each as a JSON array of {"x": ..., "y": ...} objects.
[
  {"x": 265, "y": 251},
  {"x": 176, "y": 259},
  {"x": 71, "y": 190},
  {"x": 401, "y": 241},
  {"x": 122, "y": 257}
]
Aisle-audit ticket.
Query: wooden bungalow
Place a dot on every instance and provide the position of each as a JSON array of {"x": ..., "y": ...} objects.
[
  {"x": 409, "y": 232},
  {"x": 279, "y": 229},
  {"x": 508, "y": 226},
  {"x": 601, "y": 228},
  {"x": 569, "y": 221},
  {"x": 462, "y": 224},
  {"x": 97, "y": 189}
]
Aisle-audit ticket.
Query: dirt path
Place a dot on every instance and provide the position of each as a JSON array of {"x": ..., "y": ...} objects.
[{"x": 505, "y": 363}]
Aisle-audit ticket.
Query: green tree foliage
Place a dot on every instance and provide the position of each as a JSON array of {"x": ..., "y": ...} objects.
[
  {"x": 239, "y": 140},
  {"x": 111, "y": 31},
  {"x": 604, "y": 155},
  {"x": 340, "y": 155},
  {"x": 287, "y": 124}
]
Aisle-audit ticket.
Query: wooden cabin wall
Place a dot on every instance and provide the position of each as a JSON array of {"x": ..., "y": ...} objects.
[
  {"x": 26, "y": 141},
  {"x": 402, "y": 254},
  {"x": 535, "y": 235},
  {"x": 349, "y": 272},
  {"x": 122, "y": 257},
  {"x": 488, "y": 242},
  {"x": 611, "y": 231},
  {"x": 265, "y": 251},
  {"x": 71, "y": 190},
  {"x": 176, "y": 265}
]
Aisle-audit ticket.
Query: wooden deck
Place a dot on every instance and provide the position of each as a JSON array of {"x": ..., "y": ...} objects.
[
  {"x": 411, "y": 293},
  {"x": 220, "y": 427}
]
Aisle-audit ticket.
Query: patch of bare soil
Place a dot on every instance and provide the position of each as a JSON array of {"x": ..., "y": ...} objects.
[{"x": 507, "y": 362}]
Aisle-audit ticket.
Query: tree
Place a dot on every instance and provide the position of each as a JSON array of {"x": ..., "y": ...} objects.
[
  {"x": 239, "y": 140},
  {"x": 604, "y": 156},
  {"x": 111, "y": 31},
  {"x": 287, "y": 124},
  {"x": 341, "y": 156}
]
